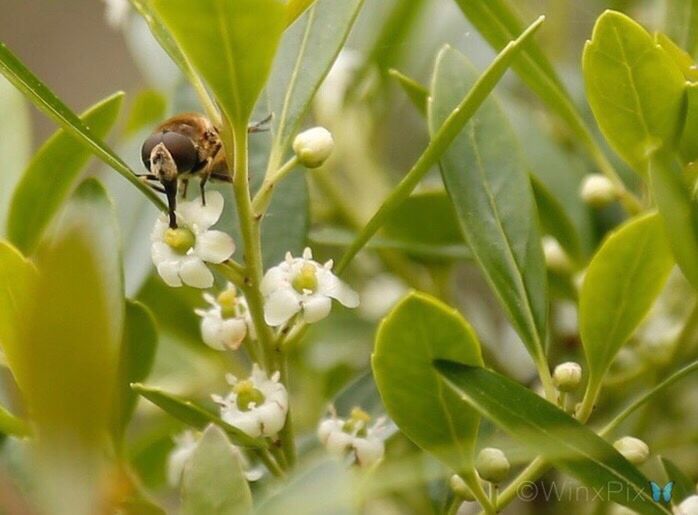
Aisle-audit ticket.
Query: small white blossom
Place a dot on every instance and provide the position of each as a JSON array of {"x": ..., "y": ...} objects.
[
  {"x": 301, "y": 285},
  {"x": 340, "y": 436},
  {"x": 116, "y": 12},
  {"x": 313, "y": 147},
  {"x": 597, "y": 190},
  {"x": 185, "y": 445},
  {"x": 226, "y": 323},
  {"x": 689, "y": 506},
  {"x": 567, "y": 376},
  {"x": 257, "y": 405},
  {"x": 555, "y": 256},
  {"x": 633, "y": 449},
  {"x": 180, "y": 255}
]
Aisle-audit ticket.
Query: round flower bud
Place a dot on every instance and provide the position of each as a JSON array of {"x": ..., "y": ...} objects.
[
  {"x": 313, "y": 147},
  {"x": 459, "y": 488},
  {"x": 567, "y": 376},
  {"x": 597, "y": 190},
  {"x": 689, "y": 506},
  {"x": 555, "y": 256},
  {"x": 492, "y": 465},
  {"x": 632, "y": 449}
]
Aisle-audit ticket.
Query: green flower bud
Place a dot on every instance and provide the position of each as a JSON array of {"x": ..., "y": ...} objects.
[
  {"x": 180, "y": 240},
  {"x": 633, "y": 449},
  {"x": 492, "y": 465},
  {"x": 556, "y": 258},
  {"x": 459, "y": 488},
  {"x": 567, "y": 376},
  {"x": 313, "y": 147}
]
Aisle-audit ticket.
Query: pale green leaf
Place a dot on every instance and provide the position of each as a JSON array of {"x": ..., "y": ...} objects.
[
  {"x": 688, "y": 145},
  {"x": 52, "y": 174},
  {"x": 231, "y": 43},
  {"x": 492, "y": 195},
  {"x": 213, "y": 480},
  {"x": 620, "y": 285},
  {"x": 148, "y": 109},
  {"x": 294, "y": 9},
  {"x": 417, "y": 331},
  {"x": 634, "y": 88},
  {"x": 416, "y": 92},
  {"x": 550, "y": 432}
]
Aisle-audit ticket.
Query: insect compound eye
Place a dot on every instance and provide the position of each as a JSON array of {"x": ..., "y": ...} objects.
[
  {"x": 148, "y": 147},
  {"x": 182, "y": 150}
]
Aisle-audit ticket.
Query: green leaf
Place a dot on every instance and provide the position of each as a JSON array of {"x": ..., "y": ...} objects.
[
  {"x": 417, "y": 331},
  {"x": 683, "y": 486},
  {"x": 441, "y": 140},
  {"x": 682, "y": 59},
  {"x": 294, "y": 9},
  {"x": 676, "y": 202},
  {"x": 51, "y": 175},
  {"x": 492, "y": 195},
  {"x": 231, "y": 43},
  {"x": 634, "y": 88},
  {"x": 550, "y": 432},
  {"x": 416, "y": 92},
  {"x": 15, "y": 144},
  {"x": 12, "y": 425},
  {"x": 307, "y": 53},
  {"x": 45, "y": 100},
  {"x": 620, "y": 285},
  {"x": 148, "y": 109},
  {"x": 213, "y": 480},
  {"x": 138, "y": 347},
  {"x": 194, "y": 415},
  {"x": 688, "y": 144}
]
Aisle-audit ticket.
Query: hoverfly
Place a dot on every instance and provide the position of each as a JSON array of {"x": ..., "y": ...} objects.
[{"x": 185, "y": 146}]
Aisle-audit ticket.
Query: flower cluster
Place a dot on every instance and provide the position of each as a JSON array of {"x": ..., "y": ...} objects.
[
  {"x": 226, "y": 323},
  {"x": 257, "y": 405},
  {"x": 303, "y": 286},
  {"x": 340, "y": 436}
]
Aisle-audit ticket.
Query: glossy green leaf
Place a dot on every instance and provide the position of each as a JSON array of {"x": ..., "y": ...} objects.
[
  {"x": 620, "y": 285},
  {"x": 682, "y": 23},
  {"x": 416, "y": 92},
  {"x": 216, "y": 36},
  {"x": 683, "y": 486},
  {"x": 193, "y": 415},
  {"x": 12, "y": 425},
  {"x": 688, "y": 144},
  {"x": 675, "y": 200},
  {"x": 15, "y": 144},
  {"x": 634, "y": 88},
  {"x": 213, "y": 480},
  {"x": 138, "y": 348},
  {"x": 492, "y": 195},
  {"x": 417, "y": 331},
  {"x": 550, "y": 432},
  {"x": 307, "y": 53},
  {"x": 441, "y": 139},
  {"x": 44, "y": 99},
  {"x": 52, "y": 174},
  {"x": 682, "y": 59},
  {"x": 294, "y": 9},
  {"x": 148, "y": 109}
]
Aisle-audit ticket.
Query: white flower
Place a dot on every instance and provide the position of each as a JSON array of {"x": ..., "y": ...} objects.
[
  {"x": 555, "y": 256},
  {"x": 226, "y": 323},
  {"x": 180, "y": 254},
  {"x": 257, "y": 405},
  {"x": 313, "y": 147},
  {"x": 633, "y": 449},
  {"x": 567, "y": 376},
  {"x": 340, "y": 436},
  {"x": 689, "y": 506},
  {"x": 116, "y": 12},
  {"x": 185, "y": 445},
  {"x": 301, "y": 285},
  {"x": 597, "y": 190}
]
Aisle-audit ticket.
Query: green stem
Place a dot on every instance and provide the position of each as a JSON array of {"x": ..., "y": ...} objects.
[
  {"x": 589, "y": 401},
  {"x": 263, "y": 197},
  {"x": 546, "y": 378},
  {"x": 530, "y": 474},
  {"x": 286, "y": 435},
  {"x": 453, "y": 504},
  {"x": 266, "y": 457},
  {"x": 440, "y": 141},
  {"x": 494, "y": 491},
  {"x": 473, "y": 481}
]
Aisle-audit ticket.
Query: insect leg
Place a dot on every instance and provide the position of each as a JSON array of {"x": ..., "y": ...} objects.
[
  {"x": 202, "y": 187},
  {"x": 259, "y": 126},
  {"x": 185, "y": 186},
  {"x": 171, "y": 192}
]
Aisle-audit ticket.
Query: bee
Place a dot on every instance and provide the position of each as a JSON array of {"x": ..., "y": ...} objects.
[{"x": 185, "y": 146}]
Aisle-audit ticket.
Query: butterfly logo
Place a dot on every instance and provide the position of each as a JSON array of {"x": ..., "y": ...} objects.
[{"x": 662, "y": 494}]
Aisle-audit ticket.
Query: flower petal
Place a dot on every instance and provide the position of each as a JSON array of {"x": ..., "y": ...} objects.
[
  {"x": 169, "y": 271},
  {"x": 160, "y": 251},
  {"x": 368, "y": 450},
  {"x": 316, "y": 307},
  {"x": 330, "y": 285},
  {"x": 200, "y": 217},
  {"x": 247, "y": 421},
  {"x": 280, "y": 306},
  {"x": 214, "y": 246},
  {"x": 232, "y": 332},
  {"x": 211, "y": 332},
  {"x": 195, "y": 273},
  {"x": 275, "y": 278}
]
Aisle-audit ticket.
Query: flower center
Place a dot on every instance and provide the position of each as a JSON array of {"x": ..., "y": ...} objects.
[
  {"x": 247, "y": 394},
  {"x": 228, "y": 302},
  {"x": 180, "y": 240},
  {"x": 306, "y": 280},
  {"x": 357, "y": 421}
]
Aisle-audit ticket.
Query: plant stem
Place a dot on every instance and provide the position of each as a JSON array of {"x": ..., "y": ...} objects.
[
  {"x": 473, "y": 481},
  {"x": 286, "y": 435},
  {"x": 266, "y": 457},
  {"x": 589, "y": 401},
  {"x": 453, "y": 505},
  {"x": 263, "y": 197},
  {"x": 546, "y": 378},
  {"x": 531, "y": 473},
  {"x": 494, "y": 490}
]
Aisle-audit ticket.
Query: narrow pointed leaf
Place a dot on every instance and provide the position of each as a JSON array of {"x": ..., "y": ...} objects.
[
  {"x": 52, "y": 173},
  {"x": 416, "y": 92},
  {"x": 550, "y": 432},
  {"x": 417, "y": 331},
  {"x": 213, "y": 480},
  {"x": 230, "y": 43},
  {"x": 45, "y": 100},
  {"x": 683, "y": 486},
  {"x": 294, "y": 9},
  {"x": 492, "y": 195}
]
